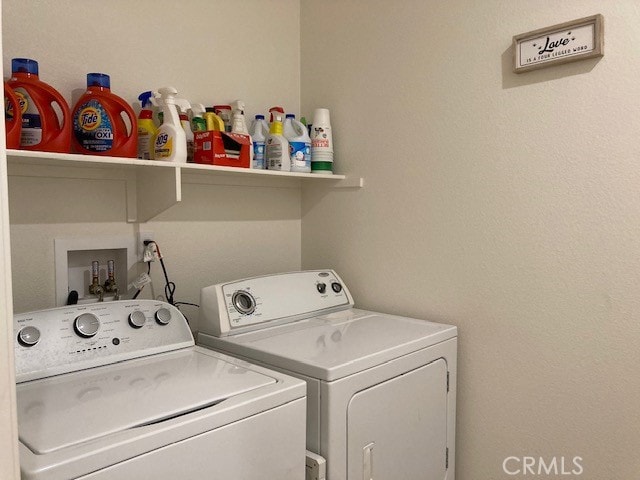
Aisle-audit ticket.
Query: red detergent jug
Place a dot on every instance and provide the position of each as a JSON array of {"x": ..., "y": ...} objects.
[
  {"x": 12, "y": 117},
  {"x": 42, "y": 128},
  {"x": 99, "y": 126}
]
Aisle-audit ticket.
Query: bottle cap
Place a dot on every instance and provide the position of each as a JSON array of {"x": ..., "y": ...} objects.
[
  {"x": 98, "y": 80},
  {"x": 290, "y": 115},
  {"x": 259, "y": 117},
  {"x": 273, "y": 110},
  {"x": 145, "y": 98},
  {"x": 24, "y": 65}
]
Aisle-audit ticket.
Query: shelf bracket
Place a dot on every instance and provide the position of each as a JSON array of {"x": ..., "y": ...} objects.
[
  {"x": 350, "y": 182},
  {"x": 157, "y": 190}
]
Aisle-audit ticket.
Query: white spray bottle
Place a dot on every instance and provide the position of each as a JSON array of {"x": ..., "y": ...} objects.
[
  {"x": 171, "y": 141},
  {"x": 239, "y": 125},
  {"x": 184, "y": 107}
]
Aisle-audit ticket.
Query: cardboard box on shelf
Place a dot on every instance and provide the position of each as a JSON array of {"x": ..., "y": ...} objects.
[{"x": 222, "y": 148}]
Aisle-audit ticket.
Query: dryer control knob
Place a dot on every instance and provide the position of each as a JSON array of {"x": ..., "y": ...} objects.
[
  {"x": 163, "y": 316},
  {"x": 137, "y": 319},
  {"x": 336, "y": 287},
  {"x": 86, "y": 325},
  {"x": 243, "y": 302},
  {"x": 322, "y": 287},
  {"x": 28, "y": 336}
]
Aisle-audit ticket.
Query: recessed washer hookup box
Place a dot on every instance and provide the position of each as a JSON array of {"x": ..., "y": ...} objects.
[{"x": 222, "y": 148}]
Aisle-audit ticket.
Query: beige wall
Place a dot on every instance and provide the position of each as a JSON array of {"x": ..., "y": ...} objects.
[
  {"x": 505, "y": 204},
  {"x": 212, "y": 52}
]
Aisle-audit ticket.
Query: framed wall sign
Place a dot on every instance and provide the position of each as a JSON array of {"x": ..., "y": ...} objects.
[{"x": 562, "y": 43}]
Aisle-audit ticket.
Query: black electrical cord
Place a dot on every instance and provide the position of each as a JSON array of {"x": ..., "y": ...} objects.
[
  {"x": 140, "y": 289},
  {"x": 187, "y": 303},
  {"x": 169, "y": 286}
]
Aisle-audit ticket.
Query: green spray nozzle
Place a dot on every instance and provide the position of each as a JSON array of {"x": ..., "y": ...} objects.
[{"x": 145, "y": 98}]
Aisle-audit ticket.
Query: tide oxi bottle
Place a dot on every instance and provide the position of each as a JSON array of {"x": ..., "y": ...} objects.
[
  {"x": 12, "y": 117},
  {"x": 103, "y": 123},
  {"x": 46, "y": 121}
]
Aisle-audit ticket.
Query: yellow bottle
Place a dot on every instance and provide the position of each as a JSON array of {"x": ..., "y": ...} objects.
[
  {"x": 214, "y": 122},
  {"x": 147, "y": 129}
]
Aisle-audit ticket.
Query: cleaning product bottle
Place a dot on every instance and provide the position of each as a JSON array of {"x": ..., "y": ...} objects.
[
  {"x": 146, "y": 127},
  {"x": 277, "y": 147},
  {"x": 259, "y": 131},
  {"x": 226, "y": 114},
  {"x": 299, "y": 144},
  {"x": 198, "y": 123},
  {"x": 171, "y": 141},
  {"x": 98, "y": 124},
  {"x": 12, "y": 117},
  {"x": 287, "y": 126},
  {"x": 183, "y": 107},
  {"x": 239, "y": 125},
  {"x": 214, "y": 122},
  {"x": 42, "y": 129}
]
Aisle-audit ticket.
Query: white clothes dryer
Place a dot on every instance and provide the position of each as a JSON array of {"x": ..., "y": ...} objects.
[
  {"x": 117, "y": 390},
  {"x": 381, "y": 389}
]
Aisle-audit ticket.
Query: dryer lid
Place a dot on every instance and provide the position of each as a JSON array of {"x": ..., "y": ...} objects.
[
  {"x": 58, "y": 412},
  {"x": 333, "y": 346}
]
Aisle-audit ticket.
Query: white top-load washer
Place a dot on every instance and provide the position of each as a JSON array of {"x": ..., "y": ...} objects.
[
  {"x": 381, "y": 389},
  {"x": 117, "y": 390}
]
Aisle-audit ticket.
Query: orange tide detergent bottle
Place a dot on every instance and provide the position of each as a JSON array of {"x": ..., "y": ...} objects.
[
  {"x": 12, "y": 117},
  {"x": 99, "y": 125},
  {"x": 42, "y": 127}
]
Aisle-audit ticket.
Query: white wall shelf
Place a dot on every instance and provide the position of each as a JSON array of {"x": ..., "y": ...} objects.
[{"x": 154, "y": 186}]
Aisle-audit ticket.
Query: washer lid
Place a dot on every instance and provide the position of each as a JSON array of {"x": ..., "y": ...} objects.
[
  {"x": 66, "y": 410},
  {"x": 333, "y": 346}
]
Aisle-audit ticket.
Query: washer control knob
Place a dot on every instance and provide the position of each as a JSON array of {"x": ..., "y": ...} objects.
[
  {"x": 243, "y": 302},
  {"x": 137, "y": 319},
  {"x": 336, "y": 287},
  {"x": 28, "y": 336},
  {"x": 163, "y": 316},
  {"x": 86, "y": 325},
  {"x": 322, "y": 287}
]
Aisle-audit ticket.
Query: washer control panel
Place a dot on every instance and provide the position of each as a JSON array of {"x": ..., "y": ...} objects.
[
  {"x": 259, "y": 302},
  {"x": 75, "y": 337}
]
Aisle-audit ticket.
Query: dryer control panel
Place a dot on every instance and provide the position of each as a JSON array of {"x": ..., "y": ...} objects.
[
  {"x": 75, "y": 337},
  {"x": 259, "y": 302}
]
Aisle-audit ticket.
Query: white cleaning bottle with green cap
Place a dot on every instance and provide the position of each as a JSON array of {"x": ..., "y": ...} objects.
[
  {"x": 171, "y": 140},
  {"x": 198, "y": 123}
]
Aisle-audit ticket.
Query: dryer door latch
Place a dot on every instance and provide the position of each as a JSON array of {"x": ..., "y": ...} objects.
[{"x": 367, "y": 462}]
